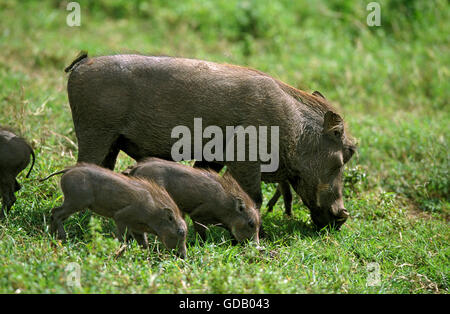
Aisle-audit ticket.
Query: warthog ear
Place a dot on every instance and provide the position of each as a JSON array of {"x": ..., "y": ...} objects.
[
  {"x": 318, "y": 94},
  {"x": 127, "y": 171},
  {"x": 333, "y": 124}
]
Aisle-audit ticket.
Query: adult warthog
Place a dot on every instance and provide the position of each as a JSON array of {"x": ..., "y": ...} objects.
[{"x": 133, "y": 102}]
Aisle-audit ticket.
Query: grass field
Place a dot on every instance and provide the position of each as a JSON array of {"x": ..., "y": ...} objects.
[{"x": 390, "y": 82}]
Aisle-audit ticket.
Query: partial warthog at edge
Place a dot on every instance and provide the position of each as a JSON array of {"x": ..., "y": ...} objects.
[{"x": 15, "y": 155}]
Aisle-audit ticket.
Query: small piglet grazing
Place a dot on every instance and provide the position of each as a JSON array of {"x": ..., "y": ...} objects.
[
  {"x": 283, "y": 188},
  {"x": 14, "y": 157},
  {"x": 205, "y": 196},
  {"x": 137, "y": 205}
]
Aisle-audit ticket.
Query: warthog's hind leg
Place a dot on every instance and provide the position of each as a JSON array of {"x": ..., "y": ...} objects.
[
  {"x": 59, "y": 215},
  {"x": 287, "y": 197},
  {"x": 274, "y": 199},
  {"x": 7, "y": 186}
]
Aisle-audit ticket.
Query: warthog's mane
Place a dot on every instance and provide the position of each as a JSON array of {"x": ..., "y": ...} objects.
[
  {"x": 158, "y": 193},
  {"x": 315, "y": 105},
  {"x": 230, "y": 186}
]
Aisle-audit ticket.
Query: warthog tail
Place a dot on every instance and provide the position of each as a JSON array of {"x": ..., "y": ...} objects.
[
  {"x": 81, "y": 56},
  {"x": 32, "y": 164},
  {"x": 54, "y": 174}
]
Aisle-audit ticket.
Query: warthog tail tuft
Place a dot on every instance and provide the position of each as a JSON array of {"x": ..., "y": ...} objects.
[{"x": 82, "y": 55}]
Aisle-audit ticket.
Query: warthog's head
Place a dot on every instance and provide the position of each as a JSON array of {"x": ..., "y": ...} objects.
[
  {"x": 173, "y": 230},
  {"x": 241, "y": 217},
  {"x": 323, "y": 152},
  {"x": 245, "y": 222},
  {"x": 160, "y": 215}
]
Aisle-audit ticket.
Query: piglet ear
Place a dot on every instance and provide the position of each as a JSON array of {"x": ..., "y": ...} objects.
[
  {"x": 127, "y": 171},
  {"x": 333, "y": 125},
  {"x": 318, "y": 94}
]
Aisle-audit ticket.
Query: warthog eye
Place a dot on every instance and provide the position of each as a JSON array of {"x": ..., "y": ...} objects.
[{"x": 169, "y": 213}]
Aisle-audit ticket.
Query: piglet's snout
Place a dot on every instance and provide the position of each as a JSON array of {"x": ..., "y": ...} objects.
[{"x": 181, "y": 232}]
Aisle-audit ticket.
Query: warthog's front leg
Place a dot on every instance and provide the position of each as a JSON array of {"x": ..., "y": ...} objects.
[
  {"x": 287, "y": 196},
  {"x": 125, "y": 218},
  {"x": 121, "y": 231},
  {"x": 56, "y": 223},
  {"x": 17, "y": 186},
  {"x": 200, "y": 229},
  {"x": 248, "y": 175},
  {"x": 60, "y": 214},
  {"x": 141, "y": 238},
  {"x": 274, "y": 199}
]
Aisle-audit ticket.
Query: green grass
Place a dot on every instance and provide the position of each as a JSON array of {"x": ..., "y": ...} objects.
[{"x": 390, "y": 82}]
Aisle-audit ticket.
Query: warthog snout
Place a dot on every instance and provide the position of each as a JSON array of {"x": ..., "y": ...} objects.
[
  {"x": 334, "y": 218},
  {"x": 342, "y": 215},
  {"x": 182, "y": 252},
  {"x": 181, "y": 232}
]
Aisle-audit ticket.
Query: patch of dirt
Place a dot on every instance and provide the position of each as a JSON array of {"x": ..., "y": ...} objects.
[{"x": 414, "y": 212}]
